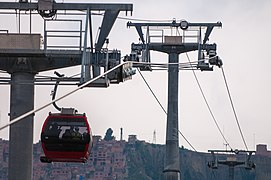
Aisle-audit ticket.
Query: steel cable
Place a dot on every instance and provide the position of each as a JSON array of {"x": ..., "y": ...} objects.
[
  {"x": 208, "y": 106},
  {"x": 163, "y": 108},
  {"x": 233, "y": 109}
]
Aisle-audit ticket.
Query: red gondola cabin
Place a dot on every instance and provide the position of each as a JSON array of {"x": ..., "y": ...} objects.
[{"x": 65, "y": 138}]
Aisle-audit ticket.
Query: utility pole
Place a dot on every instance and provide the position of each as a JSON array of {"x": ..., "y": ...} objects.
[
  {"x": 154, "y": 137},
  {"x": 121, "y": 134},
  {"x": 231, "y": 161},
  {"x": 173, "y": 46},
  {"x": 23, "y": 58}
]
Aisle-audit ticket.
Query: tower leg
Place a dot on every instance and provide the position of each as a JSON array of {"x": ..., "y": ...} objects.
[
  {"x": 231, "y": 172},
  {"x": 21, "y": 133},
  {"x": 172, "y": 161}
]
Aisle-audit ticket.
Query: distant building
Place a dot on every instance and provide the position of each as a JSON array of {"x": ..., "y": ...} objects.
[
  {"x": 261, "y": 149},
  {"x": 132, "y": 139},
  {"x": 107, "y": 159},
  {"x": 60, "y": 173}
]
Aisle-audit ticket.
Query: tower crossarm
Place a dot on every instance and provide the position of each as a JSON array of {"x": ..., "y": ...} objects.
[
  {"x": 68, "y": 6},
  {"x": 183, "y": 24}
]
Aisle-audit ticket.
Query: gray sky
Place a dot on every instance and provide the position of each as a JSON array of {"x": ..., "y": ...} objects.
[{"x": 242, "y": 45}]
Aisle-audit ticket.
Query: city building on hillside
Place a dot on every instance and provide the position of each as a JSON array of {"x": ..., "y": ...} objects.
[
  {"x": 261, "y": 149},
  {"x": 132, "y": 139},
  {"x": 107, "y": 159}
]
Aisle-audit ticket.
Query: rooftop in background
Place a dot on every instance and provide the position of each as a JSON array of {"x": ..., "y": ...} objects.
[{"x": 261, "y": 149}]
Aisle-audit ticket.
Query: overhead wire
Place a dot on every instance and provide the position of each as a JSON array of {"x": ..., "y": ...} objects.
[
  {"x": 228, "y": 91},
  {"x": 185, "y": 63},
  {"x": 187, "y": 141},
  {"x": 155, "y": 66},
  {"x": 144, "y": 20},
  {"x": 164, "y": 66},
  {"x": 236, "y": 118},
  {"x": 208, "y": 106},
  {"x": 42, "y": 79},
  {"x": 163, "y": 107},
  {"x": 53, "y": 77},
  {"x": 152, "y": 91},
  {"x": 59, "y": 98},
  {"x": 71, "y": 92},
  {"x": 102, "y": 14},
  {"x": 233, "y": 109},
  {"x": 135, "y": 19},
  {"x": 88, "y": 82}
]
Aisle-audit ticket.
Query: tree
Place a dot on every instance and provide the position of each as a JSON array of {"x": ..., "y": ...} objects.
[{"x": 108, "y": 135}]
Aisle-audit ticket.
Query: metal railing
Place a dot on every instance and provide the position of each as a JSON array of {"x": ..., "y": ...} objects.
[
  {"x": 59, "y": 38},
  {"x": 191, "y": 35},
  {"x": 187, "y": 36},
  {"x": 156, "y": 36}
]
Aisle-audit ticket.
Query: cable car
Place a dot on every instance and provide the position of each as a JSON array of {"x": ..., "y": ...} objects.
[{"x": 65, "y": 137}]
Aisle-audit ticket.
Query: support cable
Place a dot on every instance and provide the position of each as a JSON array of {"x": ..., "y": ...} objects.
[
  {"x": 53, "y": 77},
  {"x": 156, "y": 66},
  {"x": 135, "y": 19},
  {"x": 208, "y": 106},
  {"x": 163, "y": 107},
  {"x": 144, "y": 20},
  {"x": 61, "y": 97},
  {"x": 233, "y": 109},
  {"x": 187, "y": 140},
  {"x": 152, "y": 91},
  {"x": 164, "y": 66}
]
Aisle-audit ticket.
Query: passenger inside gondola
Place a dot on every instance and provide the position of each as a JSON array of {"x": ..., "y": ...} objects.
[
  {"x": 76, "y": 135},
  {"x": 67, "y": 134},
  {"x": 54, "y": 130}
]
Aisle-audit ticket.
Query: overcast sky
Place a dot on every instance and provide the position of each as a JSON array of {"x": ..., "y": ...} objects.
[{"x": 242, "y": 44}]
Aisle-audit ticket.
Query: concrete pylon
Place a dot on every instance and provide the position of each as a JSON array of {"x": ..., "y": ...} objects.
[{"x": 21, "y": 133}]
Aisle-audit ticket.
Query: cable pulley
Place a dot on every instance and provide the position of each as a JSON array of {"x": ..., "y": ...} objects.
[{"x": 45, "y": 8}]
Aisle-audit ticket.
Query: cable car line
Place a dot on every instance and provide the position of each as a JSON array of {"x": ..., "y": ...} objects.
[
  {"x": 163, "y": 107},
  {"x": 208, "y": 106},
  {"x": 233, "y": 109},
  {"x": 57, "y": 99},
  {"x": 207, "y": 101},
  {"x": 45, "y": 80},
  {"x": 157, "y": 100},
  {"x": 65, "y": 95},
  {"x": 164, "y": 66},
  {"x": 144, "y": 20},
  {"x": 83, "y": 85},
  {"x": 187, "y": 141},
  {"x": 135, "y": 19},
  {"x": 184, "y": 63}
]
